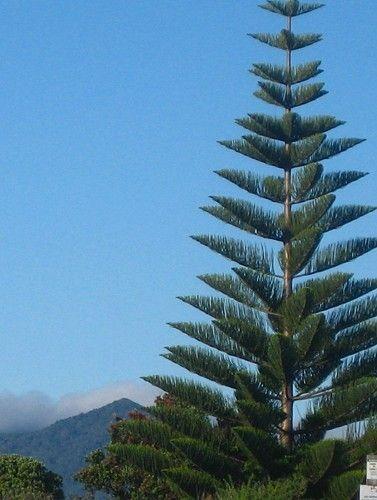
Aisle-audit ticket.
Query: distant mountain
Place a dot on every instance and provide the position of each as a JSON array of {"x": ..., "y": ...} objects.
[{"x": 62, "y": 446}]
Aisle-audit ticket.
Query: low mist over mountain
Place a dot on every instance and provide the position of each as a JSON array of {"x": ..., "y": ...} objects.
[
  {"x": 35, "y": 410},
  {"x": 63, "y": 445}
]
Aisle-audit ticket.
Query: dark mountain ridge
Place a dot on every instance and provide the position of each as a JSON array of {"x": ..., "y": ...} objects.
[{"x": 62, "y": 446}]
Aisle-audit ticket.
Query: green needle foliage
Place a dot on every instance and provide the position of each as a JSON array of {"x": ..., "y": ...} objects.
[
  {"x": 106, "y": 473},
  {"x": 286, "y": 326}
]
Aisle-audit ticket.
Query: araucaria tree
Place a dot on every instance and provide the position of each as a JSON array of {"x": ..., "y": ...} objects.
[{"x": 290, "y": 327}]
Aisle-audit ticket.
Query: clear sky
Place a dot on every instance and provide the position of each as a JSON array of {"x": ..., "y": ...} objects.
[{"x": 110, "y": 113}]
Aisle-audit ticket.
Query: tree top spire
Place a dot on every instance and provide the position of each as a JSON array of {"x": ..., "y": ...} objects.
[{"x": 290, "y": 8}]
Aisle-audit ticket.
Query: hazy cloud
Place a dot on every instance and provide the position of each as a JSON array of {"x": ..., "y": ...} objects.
[{"x": 35, "y": 410}]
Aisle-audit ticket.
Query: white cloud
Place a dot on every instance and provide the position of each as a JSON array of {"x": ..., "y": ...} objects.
[{"x": 35, "y": 410}]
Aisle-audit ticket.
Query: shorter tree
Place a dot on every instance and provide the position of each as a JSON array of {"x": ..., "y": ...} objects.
[
  {"x": 102, "y": 473},
  {"x": 106, "y": 471},
  {"x": 24, "y": 478},
  {"x": 329, "y": 470}
]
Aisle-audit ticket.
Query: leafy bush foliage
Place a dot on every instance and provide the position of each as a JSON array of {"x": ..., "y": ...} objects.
[{"x": 23, "y": 478}]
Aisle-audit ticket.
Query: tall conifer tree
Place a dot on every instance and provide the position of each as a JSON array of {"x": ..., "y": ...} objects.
[{"x": 290, "y": 326}]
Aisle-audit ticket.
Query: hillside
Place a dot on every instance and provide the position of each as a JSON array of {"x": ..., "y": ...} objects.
[{"x": 63, "y": 445}]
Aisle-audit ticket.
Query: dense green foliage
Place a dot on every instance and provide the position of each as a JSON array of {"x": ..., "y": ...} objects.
[
  {"x": 105, "y": 472},
  {"x": 287, "y": 327},
  {"x": 64, "y": 445},
  {"x": 328, "y": 470},
  {"x": 23, "y": 478}
]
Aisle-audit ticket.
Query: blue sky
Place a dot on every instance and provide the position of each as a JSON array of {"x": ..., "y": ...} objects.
[{"x": 110, "y": 113}]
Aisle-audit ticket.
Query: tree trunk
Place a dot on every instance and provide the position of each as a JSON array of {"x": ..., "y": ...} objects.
[{"x": 287, "y": 389}]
